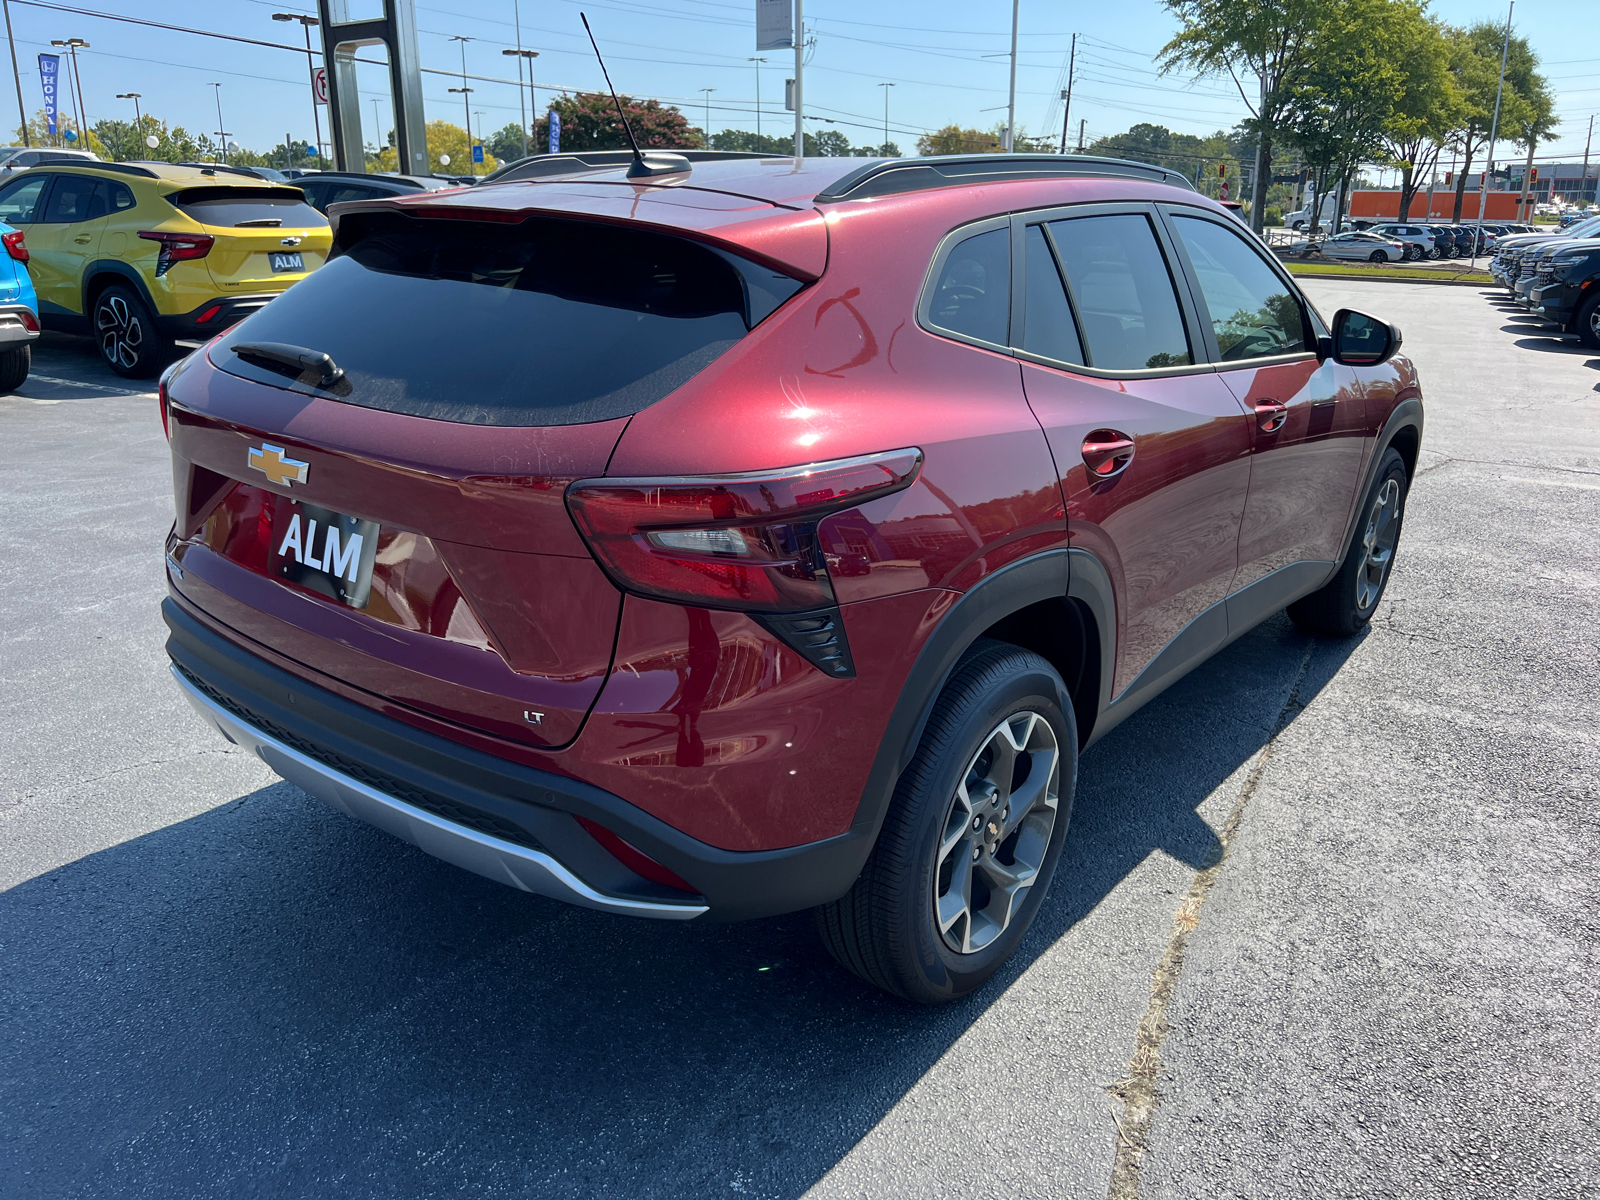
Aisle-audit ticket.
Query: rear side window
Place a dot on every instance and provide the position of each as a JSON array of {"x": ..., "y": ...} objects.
[
  {"x": 247, "y": 207},
  {"x": 972, "y": 294},
  {"x": 75, "y": 198},
  {"x": 325, "y": 192},
  {"x": 1124, "y": 292},
  {"x": 547, "y": 322}
]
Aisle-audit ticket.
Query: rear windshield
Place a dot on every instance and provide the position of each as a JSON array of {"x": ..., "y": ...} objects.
[
  {"x": 546, "y": 322},
  {"x": 247, "y": 207}
]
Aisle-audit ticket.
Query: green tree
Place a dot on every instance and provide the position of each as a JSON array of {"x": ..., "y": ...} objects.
[
  {"x": 589, "y": 122},
  {"x": 505, "y": 143},
  {"x": 1271, "y": 41},
  {"x": 1429, "y": 105},
  {"x": 39, "y": 134},
  {"x": 954, "y": 139},
  {"x": 1525, "y": 107}
]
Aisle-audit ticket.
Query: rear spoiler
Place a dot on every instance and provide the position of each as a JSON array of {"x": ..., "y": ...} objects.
[{"x": 792, "y": 241}]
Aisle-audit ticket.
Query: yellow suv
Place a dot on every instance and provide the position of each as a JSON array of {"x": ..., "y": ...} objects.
[{"x": 139, "y": 255}]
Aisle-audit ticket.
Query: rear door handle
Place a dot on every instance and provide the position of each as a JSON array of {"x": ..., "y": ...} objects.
[
  {"x": 83, "y": 241},
  {"x": 1107, "y": 452},
  {"x": 1271, "y": 415}
]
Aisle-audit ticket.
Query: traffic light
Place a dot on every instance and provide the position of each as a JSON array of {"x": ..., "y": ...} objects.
[
  {"x": 1222, "y": 170},
  {"x": 1533, "y": 175},
  {"x": 1449, "y": 179}
]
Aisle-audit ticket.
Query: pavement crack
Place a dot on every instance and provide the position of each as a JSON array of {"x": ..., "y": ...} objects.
[{"x": 1140, "y": 1091}]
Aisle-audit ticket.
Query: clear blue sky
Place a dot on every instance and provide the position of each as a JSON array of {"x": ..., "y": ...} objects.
[{"x": 946, "y": 60}]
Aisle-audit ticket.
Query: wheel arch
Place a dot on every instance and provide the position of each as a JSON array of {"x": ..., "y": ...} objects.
[
  {"x": 1058, "y": 604},
  {"x": 103, "y": 273}
]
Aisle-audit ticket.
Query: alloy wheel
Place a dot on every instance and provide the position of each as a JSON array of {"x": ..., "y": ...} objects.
[
  {"x": 996, "y": 832},
  {"x": 1378, "y": 541},
  {"x": 120, "y": 331},
  {"x": 1594, "y": 324}
]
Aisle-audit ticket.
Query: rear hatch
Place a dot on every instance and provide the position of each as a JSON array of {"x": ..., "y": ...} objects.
[
  {"x": 266, "y": 237},
  {"x": 371, "y": 470}
]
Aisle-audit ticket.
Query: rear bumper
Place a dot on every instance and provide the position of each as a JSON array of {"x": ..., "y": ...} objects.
[
  {"x": 212, "y": 317},
  {"x": 508, "y": 822},
  {"x": 13, "y": 330}
]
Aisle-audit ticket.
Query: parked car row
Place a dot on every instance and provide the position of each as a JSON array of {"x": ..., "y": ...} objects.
[{"x": 1556, "y": 277}]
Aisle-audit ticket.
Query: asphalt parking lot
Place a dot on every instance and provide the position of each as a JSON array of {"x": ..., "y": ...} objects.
[{"x": 1326, "y": 924}]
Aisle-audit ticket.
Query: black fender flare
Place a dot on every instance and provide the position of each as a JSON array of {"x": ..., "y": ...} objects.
[
  {"x": 1405, "y": 414},
  {"x": 112, "y": 266},
  {"x": 1053, "y": 575}
]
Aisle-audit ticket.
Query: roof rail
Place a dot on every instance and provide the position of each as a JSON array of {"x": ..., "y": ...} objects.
[
  {"x": 890, "y": 176},
  {"x": 539, "y": 166},
  {"x": 125, "y": 168}
]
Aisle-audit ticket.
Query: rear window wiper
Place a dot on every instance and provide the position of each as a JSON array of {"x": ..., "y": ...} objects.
[{"x": 308, "y": 366}]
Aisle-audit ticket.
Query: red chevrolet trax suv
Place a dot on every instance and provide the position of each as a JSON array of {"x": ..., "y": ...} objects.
[{"x": 728, "y": 536}]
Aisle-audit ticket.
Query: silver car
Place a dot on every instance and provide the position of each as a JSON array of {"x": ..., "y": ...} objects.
[
  {"x": 1420, "y": 241},
  {"x": 1356, "y": 245}
]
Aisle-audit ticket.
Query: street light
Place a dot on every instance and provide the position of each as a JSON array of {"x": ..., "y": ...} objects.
[
  {"x": 311, "y": 66},
  {"x": 466, "y": 92},
  {"x": 72, "y": 45},
  {"x": 519, "y": 54},
  {"x": 138, "y": 117},
  {"x": 758, "y": 62},
  {"x": 708, "y": 92},
  {"x": 222, "y": 134},
  {"x": 886, "y": 87}
]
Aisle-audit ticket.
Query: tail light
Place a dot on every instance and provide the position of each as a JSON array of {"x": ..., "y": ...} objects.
[
  {"x": 161, "y": 401},
  {"x": 745, "y": 542},
  {"x": 16, "y": 245},
  {"x": 175, "y": 247}
]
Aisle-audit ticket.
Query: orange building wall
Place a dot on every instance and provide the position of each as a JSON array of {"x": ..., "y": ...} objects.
[{"x": 1502, "y": 205}]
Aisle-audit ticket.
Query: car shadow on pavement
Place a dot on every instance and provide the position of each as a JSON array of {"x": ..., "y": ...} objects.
[{"x": 270, "y": 999}]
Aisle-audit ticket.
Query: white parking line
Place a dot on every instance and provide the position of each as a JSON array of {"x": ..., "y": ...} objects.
[{"x": 99, "y": 387}]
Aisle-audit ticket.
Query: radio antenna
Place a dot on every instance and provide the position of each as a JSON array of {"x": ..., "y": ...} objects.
[{"x": 665, "y": 164}]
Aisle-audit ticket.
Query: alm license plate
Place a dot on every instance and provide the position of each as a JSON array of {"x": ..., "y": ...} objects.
[
  {"x": 287, "y": 262},
  {"x": 323, "y": 551}
]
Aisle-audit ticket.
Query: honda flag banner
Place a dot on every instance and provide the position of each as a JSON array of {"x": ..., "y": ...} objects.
[
  {"x": 555, "y": 132},
  {"x": 49, "y": 74},
  {"x": 774, "y": 24}
]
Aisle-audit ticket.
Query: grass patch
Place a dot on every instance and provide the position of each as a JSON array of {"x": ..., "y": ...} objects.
[{"x": 1377, "y": 271}]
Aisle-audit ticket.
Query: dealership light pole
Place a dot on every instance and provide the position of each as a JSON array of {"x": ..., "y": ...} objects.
[
  {"x": 222, "y": 134},
  {"x": 799, "y": 78},
  {"x": 466, "y": 97},
  {"x": 519, "y": 54},
  {"x": 311, "y": 66},
  {"x": 138, "y": 117},
  {"x": 1011, "y": 102},
  {"x": 1494, "y": 130},
  {"x": 78, "y": 115},
  {"x": 708, "y": 92},
  {"x": 757, "y": 61},
  {"x": 886, "y": 87}
]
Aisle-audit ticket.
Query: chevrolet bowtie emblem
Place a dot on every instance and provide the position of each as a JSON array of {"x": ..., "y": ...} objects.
[
  {"x": 270, "y": 461},
  {"x": 291, "y": 241}
]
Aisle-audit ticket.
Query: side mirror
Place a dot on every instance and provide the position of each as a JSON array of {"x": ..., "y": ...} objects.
[{"x": 1362, "y": 341}]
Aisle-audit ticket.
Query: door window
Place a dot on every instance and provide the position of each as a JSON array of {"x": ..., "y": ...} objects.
[
  {"x": 973, "y": 294},
  {"x": 1253, "y": 312},
  {"x": 1048, "y": 329},
  {"x": 1123, "y": 292},
  {"x": 19, "y": 200},
  {"x": 75, "y": 198}
]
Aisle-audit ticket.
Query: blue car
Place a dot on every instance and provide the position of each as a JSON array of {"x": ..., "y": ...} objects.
[{"x": 19, "y": 311}]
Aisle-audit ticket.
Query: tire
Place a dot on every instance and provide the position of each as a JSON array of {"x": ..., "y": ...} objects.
[
  {"x": 951, "y": 829},
  {"x": 14, "y": 367},
  {"x": 1435, "y": 253},
  {"x": 1378, "y": 256},
  {"x": 1587, "y": 323},
  {"x": 1345, "y": 604},
  {"x": 1298, "y": 226},
  {"x": 1410, "y": 253},
  {"x": 130, "y": 342}
]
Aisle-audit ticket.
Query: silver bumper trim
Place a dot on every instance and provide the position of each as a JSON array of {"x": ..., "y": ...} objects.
[
  {"x": 505, "y": 862},
  {"x": 12, "y": 330}
]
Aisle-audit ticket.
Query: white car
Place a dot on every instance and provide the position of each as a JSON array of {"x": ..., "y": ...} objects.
[
  {"x": 20, "y": 158},
  {"x": 1356, "y": 245},
  {"x": 1420, "y": 241}
]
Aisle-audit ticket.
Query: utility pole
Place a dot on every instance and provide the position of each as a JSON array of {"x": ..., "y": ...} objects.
[
  {"x": 799, "y": 79},
  {"x": 16, "y": 74},
  {"x": 1258, "y": 185},
  {"x": 758, "y": 62},
  {"x": 1011, "y": 102},
  {"x": 708, "y": 92},
  {"x": 1583, "y": 178},
  {"x": 311, "y": 68},
  {"x": 1494, "y": 129},
  {"x": 222, "y": 134},
  {"x": 519, "y": 54},
  {"x": 1082, "y": 121},
  {"x": 886, "y": 87},
  {"x": 1066, "y": 96}
]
